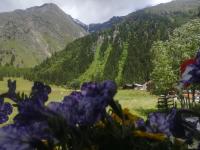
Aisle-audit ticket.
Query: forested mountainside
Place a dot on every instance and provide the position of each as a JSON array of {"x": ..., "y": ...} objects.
[
  {"x": 121, "y": 53},
  {"x": 27, "y": 37}
]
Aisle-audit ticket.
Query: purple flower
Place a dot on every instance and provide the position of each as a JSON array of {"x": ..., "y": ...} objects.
[
  {"x": 87, "y": 106},
  {"x": 140, "y": 124},
  {"x": 106, "y": 89},
  {"x": 29, "y": 112},
  {"x": 30, "y": 137},
  {"x": 36, "y": 122},
  {"x": 5, "y": 110},
  {"x": 33, "y": 108},
  {"x": 159, "y": 123},
  {"x": 40, "y": 92},
  {"x": 90, "y": 89}
]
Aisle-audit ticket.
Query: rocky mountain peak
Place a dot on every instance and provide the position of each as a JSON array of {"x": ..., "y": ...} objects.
[{"x": 46, "y": 6}]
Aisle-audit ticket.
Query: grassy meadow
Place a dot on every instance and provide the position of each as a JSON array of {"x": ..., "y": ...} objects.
[{"x": 138, "y": 102}]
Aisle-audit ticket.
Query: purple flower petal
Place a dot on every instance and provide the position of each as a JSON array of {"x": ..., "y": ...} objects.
[
  {"x": 87, "y": 106},
  {"x": 14, "y": 137}
]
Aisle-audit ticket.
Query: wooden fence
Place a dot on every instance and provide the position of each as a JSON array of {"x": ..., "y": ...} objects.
[{"x": 166, "y": 102}]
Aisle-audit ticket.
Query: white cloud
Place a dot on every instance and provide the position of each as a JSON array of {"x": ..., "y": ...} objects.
[{"x": 88, "y": 11}]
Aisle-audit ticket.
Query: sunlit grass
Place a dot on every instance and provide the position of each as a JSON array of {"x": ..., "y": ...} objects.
[
  {"x": 25, "y": 86},
  {"x": 138, "y": 102}
]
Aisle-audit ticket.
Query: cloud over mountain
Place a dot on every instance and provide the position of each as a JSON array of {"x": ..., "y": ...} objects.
[{"x": 88, "y": 11}]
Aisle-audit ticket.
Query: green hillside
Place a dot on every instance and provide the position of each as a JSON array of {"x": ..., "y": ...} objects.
[{"x": 121, "y": 53}]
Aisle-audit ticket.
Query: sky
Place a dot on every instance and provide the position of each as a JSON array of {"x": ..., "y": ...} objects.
[{"x": 87, "y": 11}]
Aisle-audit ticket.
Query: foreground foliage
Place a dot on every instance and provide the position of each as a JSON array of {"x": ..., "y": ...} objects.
[{"x": 82, "y": 121}]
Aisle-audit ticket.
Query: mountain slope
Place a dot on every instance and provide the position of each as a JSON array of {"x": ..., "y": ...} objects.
[
  {"x": 121, "y": 53},
  {"x": 29, "y": 36},
  {"x": 175, "y": 6},
  {"x": 169, "y": 8},
  {"x": 91, "y": 28},
  {"x": 106, "y": 25}
]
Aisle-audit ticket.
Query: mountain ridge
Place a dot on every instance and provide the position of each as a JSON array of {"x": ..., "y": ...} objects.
[{"x": 33, "y": 34}]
